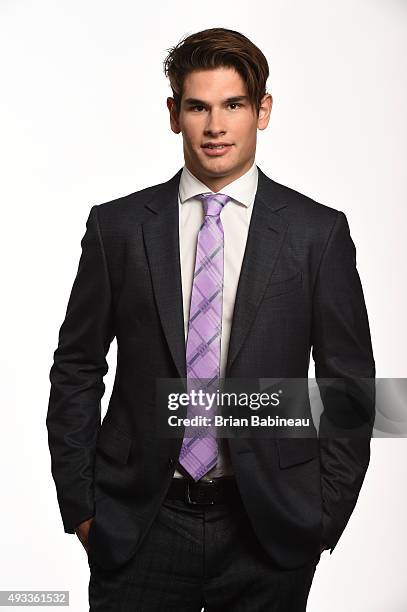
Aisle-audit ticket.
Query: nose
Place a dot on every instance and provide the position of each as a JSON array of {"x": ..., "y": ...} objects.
[{"x": 214, "y": 125}]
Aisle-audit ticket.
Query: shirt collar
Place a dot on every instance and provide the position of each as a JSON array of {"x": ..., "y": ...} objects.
[{"x": 242, "y": 190}]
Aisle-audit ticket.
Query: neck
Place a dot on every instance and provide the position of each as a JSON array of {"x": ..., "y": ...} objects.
[{"x": 216, "y": 183}]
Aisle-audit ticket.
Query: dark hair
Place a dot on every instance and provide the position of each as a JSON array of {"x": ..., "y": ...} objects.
[{"x": 211, "y": 49}]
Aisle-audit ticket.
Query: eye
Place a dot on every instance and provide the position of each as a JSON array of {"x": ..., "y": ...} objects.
[
  {"x": 235, "y": 104},
  {"x": 196, "y": 106}
]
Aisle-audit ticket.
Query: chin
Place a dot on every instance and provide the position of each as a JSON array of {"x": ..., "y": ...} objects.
[
  {"x": 214, "y": 168},
  {"x": 219, "y": 166}
]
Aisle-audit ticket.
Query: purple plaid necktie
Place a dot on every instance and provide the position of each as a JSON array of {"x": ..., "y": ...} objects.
[{"x": 199, "y": 452}]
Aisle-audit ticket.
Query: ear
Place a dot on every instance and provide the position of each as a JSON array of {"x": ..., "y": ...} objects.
[
  {"x": 265, "y": 111},
  {"x": 174, "y": 122}
]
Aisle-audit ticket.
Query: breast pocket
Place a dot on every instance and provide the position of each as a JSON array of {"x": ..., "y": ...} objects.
[{"x": 283, "y": 286}]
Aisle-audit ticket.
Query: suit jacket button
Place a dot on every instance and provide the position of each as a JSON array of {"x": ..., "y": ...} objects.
[{"x": 171, "y": 462}]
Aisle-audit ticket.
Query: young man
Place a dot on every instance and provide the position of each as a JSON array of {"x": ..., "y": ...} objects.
[{"x": 218, "y": 272}]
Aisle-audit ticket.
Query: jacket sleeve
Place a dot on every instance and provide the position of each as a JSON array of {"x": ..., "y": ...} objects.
[
  {"x": 345, "y": 373},
  {"x": 76, "y": 376}
]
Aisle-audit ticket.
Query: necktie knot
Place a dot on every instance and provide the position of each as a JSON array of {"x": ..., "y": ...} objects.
[{"x": 213, "y": 203}]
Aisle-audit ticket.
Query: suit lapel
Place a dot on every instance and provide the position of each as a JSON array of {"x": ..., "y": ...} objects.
[
  {"x": 161, "y": 236},
  {"x": 266, "y": 235}
]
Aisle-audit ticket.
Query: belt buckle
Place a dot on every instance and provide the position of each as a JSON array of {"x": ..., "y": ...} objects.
[{"x": 191, "y": 501}]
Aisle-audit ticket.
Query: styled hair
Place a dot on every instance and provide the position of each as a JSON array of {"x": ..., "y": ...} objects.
[{"x": 213, "y": 48}]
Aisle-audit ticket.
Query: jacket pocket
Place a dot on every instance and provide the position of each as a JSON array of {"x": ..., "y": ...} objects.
[
  {"x": 294, "y": 451},
  {"x": 114, "y": 443}
]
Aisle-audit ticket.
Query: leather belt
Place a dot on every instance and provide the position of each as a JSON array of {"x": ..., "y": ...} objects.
[{"x": 203, "y": 492}]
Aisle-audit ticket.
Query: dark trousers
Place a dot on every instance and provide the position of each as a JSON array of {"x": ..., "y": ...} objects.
[{"x": 196, "y": 557}]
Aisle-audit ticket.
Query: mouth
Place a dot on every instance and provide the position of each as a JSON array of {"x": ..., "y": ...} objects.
[{"x": 214, "y": 149}]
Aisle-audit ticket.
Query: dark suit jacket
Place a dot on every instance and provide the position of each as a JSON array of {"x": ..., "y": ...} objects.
[{"x": 299, "y": 289}]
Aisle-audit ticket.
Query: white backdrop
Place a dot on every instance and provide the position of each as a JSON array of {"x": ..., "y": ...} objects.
[{"x": 84, "y": 120}]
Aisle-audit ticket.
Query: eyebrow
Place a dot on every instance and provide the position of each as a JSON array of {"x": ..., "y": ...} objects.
[{"x": 193, "y": 101}]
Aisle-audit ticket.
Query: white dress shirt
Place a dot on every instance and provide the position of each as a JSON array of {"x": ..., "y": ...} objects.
[{"x": 235, "y": 217}]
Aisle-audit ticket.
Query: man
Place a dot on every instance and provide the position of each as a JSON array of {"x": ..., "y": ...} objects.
[{"x": 219, "y": 272}]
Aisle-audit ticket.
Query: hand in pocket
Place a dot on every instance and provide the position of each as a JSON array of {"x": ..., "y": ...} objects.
[{"x": 82, "y": 531}]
